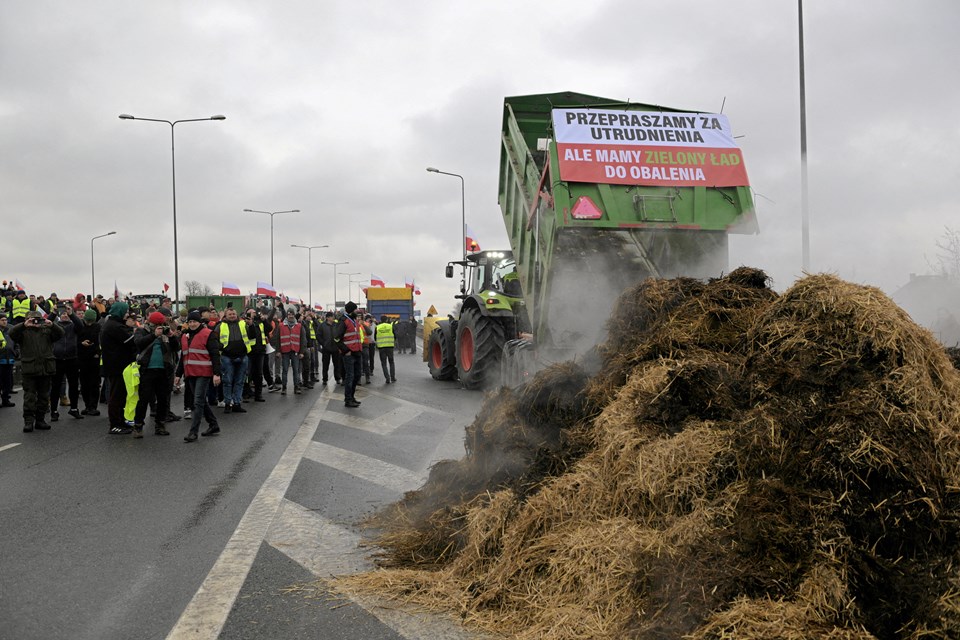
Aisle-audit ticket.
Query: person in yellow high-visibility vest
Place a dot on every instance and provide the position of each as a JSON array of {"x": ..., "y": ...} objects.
[{"x": 385, "y": 345}]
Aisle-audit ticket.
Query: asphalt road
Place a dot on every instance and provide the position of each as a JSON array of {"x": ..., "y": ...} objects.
[{"x": 109, "y": 537}]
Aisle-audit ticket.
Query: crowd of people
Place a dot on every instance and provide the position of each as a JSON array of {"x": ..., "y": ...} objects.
[{"x": 133, "y": 358}]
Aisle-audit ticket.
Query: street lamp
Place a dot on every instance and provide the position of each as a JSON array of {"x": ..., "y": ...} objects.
[
  {"x": 335, "y": 264},
  {"x": 271, "y": 214},
  {"x": 93, "y": 284},
  {"x": 463, "y": 212},
  {"x": 350, "y": 282},
  {"x": 173, "y": 173},
  {"x": 309, "y": 264}
]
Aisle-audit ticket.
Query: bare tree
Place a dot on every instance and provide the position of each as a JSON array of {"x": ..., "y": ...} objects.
[
  {"x": 948, "y": 254},
  {"x": 196, "y": 288}
]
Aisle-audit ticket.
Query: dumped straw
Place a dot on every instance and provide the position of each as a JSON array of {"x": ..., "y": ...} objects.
[{"x": 743, "y": 465}]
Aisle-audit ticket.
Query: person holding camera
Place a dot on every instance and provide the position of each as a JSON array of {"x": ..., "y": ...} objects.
[
  {"x": 157, "y": 361},
  {"x": 35, "y": 336}
]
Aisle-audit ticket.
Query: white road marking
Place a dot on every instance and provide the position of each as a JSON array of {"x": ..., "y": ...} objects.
[
  {"x": 364, "y": 467},
  {"x": 10, "y": 446},
  {"x": 206, "y": 614},
  {"x": 383, "y": 424},
  {"x": 321, "y": 546}
]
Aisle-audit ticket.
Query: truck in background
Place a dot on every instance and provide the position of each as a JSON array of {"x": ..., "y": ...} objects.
[
  {"x": 394, "y": 302},
  {"x": 220, "y": 303},
  {"x": 596, "y": 195}
]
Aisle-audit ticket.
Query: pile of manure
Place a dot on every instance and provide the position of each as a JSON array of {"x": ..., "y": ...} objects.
[{"x": 742, "y": 465}]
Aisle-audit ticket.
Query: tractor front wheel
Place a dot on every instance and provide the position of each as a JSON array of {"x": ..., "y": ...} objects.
[{"x": 479, "y": 347}]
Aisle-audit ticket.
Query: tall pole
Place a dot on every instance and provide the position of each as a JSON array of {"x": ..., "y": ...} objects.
[
  {"x": 309, "y": 264},
  {"x": 173, "y": 165},
  {"x": 93, "y": 282},
  {"x": 350, "y": 282},
  {"x": 804, "y": 208},
  {"x": 463, "y": 214},
  {"x": 335, "y": 264},
  {"x": 271, "y": 214}
]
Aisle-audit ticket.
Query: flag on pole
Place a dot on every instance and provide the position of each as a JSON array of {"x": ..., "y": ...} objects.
[
  {"x": 376, "y": 281},
  {"x": 229, "y": 289},
  {"x": 416, "y": 290},
  {"x": 408, "y": 283},
  {"x": 166, "y": 287},
  {"x": 472, "y": 244},
  {"x": 20, "y": 285},
  {"x": 116, "y": 291},
  {"x": 265, "y": 289},
  {"x": 318, "y": 306},
  {"x": 294, "y": 300}
]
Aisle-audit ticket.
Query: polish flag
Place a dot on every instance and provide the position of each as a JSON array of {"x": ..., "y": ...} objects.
[
  {"x": 376, "y": 282},
  {"x": 265, "y": 289},
  {"x": 20, "y": 285},
  {"x": 229, "y": 289},
  {"x": 472, "y": 244},
  {"x": 294, "y": 300},
  {"x": 416, "y": 290},
  {"x": 116, "y": 290},
  {"x": 408, "y": 282},
  {"x": 318, "y": 306}
]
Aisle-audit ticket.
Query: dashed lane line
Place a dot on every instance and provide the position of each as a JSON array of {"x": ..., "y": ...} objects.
[{"x": 10, "y": 446}]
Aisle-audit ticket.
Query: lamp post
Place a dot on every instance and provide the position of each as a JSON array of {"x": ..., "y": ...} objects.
[
  {"x": 271, "y": 214},
  {"x": 173, "y": 174},
  {"x": 335, "y": 265},
  {"x": 463, "y": 212},
  {"x": 350, "y": 282},
  {"x": 93, "y": 282},
  {"x": 309, "y": 265}
]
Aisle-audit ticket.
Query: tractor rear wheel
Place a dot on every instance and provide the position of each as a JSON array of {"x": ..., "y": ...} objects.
[
  {"x": 479, "y": 347},
  {"x": 442, "y": 359}
]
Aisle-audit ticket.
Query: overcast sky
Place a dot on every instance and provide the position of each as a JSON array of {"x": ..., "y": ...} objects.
[{"x": 336, "y": 108}]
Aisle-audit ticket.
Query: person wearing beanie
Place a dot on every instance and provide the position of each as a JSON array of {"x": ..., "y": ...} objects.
[
  {"x": 118, "y": 351},
  {"x": 65, "y": 352},
  {"x": 35, "y": 336},
  {"x": 88, "y": 362},
  {"x": 348, "y": 335},
  {"x": 200, "y": 367},
  {"x": 157, "y": 355}
]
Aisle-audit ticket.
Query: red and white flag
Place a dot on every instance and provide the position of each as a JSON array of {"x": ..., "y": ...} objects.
[
  {"x": 229, "y": 289},
  {"x": 376, "y": 281},
  {"x": 265, "y": 289},
  {"x": 116, "y": 291},
  {"x": 166, "y": 287},
  {"x": 472, "y": 244},
  {"x": 318, "y": 306},
  {"x": 20, "y": 285},
  {"x": 416, "y": 290},
  {"x": 294, "y": 300},
  {"x": 408, "y": 282}
]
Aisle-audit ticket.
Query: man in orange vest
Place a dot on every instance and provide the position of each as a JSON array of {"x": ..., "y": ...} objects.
[
  {"x": 200, "y": 364},
  {"x": 348, "y": 332},
  {"x": 292, "y": 342}
]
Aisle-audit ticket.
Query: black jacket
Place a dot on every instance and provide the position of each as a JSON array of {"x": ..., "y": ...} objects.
[
  {"x": 88, "y": 333},
  {"x": 116, "y": 345}
]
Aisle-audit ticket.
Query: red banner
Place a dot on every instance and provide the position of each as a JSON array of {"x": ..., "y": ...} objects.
[{"x": 669, "y": 167}]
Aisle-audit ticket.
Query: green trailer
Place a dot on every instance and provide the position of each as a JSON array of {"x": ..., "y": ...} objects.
[{"x": 596, "y": 195}]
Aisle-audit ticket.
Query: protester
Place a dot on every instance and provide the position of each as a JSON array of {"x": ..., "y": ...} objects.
[
  {"x": 199, "y": 366},
  {"x": 291, "y": 335},
  {"x": 68, "y": 367},
  {"x": 35, "y": 337},
  {"x": 368, "y": 328},
  {"x": 88, "y": 362},
  {"x": 329, "y": 349},
  {"x": 235, "y": 344},
  {"x": 385, "y": 344},
  {"x": 118, "y": 351},
  {"x": 348, "y": 333},
  {"x": 157, "y": 354},
  {"x": 8, "y": 358}
]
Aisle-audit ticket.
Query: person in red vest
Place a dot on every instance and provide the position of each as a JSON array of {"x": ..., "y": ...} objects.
[
  {"x": 200, "y": 365},
  {"x": 292, "y": 342},
  {"x": 348, "y": 332}
]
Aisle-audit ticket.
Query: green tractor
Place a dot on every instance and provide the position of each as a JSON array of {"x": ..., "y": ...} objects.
[{"x": 469, "y": 346}]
